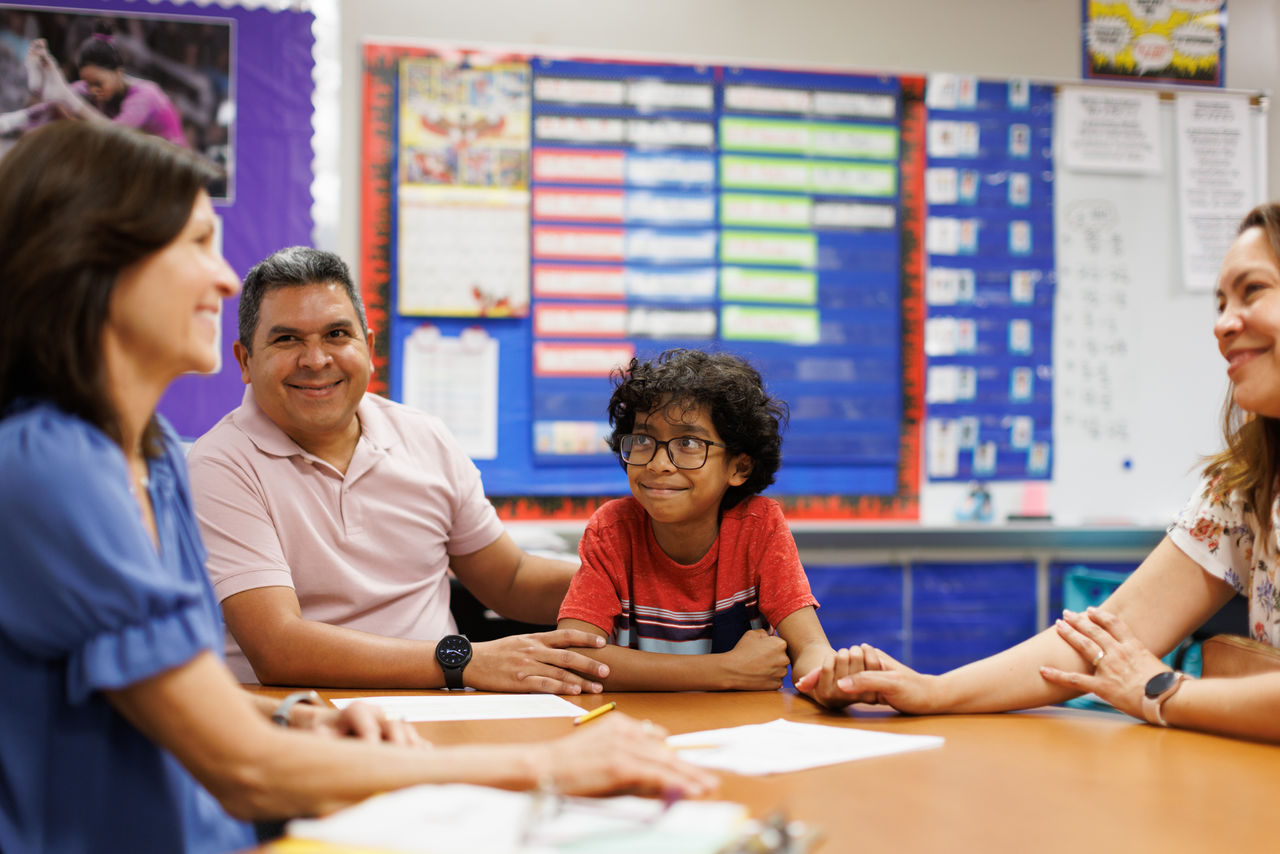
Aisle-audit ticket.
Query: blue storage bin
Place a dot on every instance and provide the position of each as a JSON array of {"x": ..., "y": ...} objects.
[
  {"x": 961, "y": 612},
  {"x": 860, "y": 604}
]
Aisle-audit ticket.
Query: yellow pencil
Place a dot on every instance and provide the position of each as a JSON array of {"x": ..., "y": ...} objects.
[{"x": 595, "y": 713}]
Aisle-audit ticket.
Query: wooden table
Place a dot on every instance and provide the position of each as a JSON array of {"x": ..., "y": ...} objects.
[{"x": 1046, "y": 780}]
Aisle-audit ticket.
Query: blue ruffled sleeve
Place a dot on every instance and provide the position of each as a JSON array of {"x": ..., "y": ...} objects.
[{"x": 83, "y": 581}]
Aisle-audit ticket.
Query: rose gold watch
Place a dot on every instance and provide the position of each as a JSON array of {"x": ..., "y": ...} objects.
[{"x": 1160, "y": 688}]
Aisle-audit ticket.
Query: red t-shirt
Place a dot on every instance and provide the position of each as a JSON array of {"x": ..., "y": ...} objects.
[{"x": 751, "y": 577}]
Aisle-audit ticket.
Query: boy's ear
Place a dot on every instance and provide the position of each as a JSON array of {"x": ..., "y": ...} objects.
[{"x": 742, "y": 467}]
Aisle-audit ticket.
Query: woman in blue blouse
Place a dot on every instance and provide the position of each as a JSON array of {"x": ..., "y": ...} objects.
[{"x": 121, "y": 729}]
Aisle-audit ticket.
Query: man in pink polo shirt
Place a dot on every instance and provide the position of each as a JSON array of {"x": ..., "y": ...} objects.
[{"x": 332, "y": 516}]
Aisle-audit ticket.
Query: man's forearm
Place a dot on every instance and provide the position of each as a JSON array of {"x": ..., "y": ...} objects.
[{"x": 314, "y": 654}]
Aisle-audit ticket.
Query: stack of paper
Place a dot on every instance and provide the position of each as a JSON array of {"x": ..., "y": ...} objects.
[{"x": 457, "y": 818}]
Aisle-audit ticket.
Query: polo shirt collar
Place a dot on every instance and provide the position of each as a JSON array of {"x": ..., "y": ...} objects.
[{"x": 375, "y": 429}]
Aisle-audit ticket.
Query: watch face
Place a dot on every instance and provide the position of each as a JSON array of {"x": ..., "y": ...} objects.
[
  {"x": 453, "y": 651},
  {"x": 1160, "y": 683}
]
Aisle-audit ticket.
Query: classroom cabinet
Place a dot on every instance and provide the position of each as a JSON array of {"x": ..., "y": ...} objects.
[{"x": 938, "y": 615}]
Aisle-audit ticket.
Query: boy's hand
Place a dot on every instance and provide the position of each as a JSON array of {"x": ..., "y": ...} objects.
[
  {"x": 820, "y": 684},
  {"x": 757, "y": 663},
  {"x": 886, "y": 681}
]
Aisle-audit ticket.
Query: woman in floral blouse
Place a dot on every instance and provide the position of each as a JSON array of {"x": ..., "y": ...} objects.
[{"x": 1218, "y": 546}]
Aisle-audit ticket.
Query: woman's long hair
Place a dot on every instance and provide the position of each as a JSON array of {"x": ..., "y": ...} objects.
[
  {"x": 79, "y": 202},
  {"x": 1251, "y": 462}
]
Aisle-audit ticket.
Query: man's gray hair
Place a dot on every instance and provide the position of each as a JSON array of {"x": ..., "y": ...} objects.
[{"x": 293, "y": 266}]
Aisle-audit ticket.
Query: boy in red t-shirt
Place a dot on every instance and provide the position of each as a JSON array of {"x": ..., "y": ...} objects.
[{"x": 695, "y": 563}]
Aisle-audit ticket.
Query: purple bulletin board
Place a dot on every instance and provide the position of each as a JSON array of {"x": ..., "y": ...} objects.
[{"x": 264, "y": 87}]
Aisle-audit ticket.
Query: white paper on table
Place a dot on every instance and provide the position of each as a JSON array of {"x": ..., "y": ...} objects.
[
  {"x": 783, "y": 745},
  {"x": 444, "y": 819},
  {"x": 470, "y": 707}
]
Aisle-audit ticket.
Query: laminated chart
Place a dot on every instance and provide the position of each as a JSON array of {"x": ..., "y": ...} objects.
[
  {"x": 989, "y": 284},
  {"x": 624, "y": 235},
  {"x": 753, "y": 211}
]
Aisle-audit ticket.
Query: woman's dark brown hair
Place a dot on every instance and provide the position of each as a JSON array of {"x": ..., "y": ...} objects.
[
  {"x": 1251, "y": 462},
  {"x": 79, "y": 202}
]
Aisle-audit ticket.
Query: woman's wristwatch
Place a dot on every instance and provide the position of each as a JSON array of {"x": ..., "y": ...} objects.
[
  {"x": 281, "y": 714},
  {"x": 1160, "y": 688}
]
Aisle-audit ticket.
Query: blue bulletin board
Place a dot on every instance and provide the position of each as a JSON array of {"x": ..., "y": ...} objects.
[{"x": 772, "y": 213}]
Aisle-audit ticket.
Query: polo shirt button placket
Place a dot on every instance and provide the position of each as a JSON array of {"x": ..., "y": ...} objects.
[{"x": 351, "y": 517}]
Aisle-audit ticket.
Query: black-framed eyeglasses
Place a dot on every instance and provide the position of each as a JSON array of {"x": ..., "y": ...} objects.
[{"x": 685, "y": 452}]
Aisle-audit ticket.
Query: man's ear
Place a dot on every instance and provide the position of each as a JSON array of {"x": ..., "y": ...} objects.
[
  {"x": 742, "y": 467},
  {"x": 242, "y": 358}
]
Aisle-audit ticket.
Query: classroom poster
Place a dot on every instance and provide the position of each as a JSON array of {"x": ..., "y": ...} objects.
[
  {"x": 463, "y": 214},
  {"x": 1111, "y": 131},
  {"x": 241, "y": 79},
  {"x": 189, "y": 59},
  {"x": 1215, "y": 180},
  {"x": 1167, "y": 41}
]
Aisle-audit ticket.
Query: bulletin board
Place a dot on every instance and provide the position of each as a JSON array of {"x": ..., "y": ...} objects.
[
  {"x": 774, "y": 213},
  {"x": 1035, "y": 383}
]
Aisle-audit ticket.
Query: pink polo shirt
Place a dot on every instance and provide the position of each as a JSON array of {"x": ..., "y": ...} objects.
[{"x": 368, "y": 550}]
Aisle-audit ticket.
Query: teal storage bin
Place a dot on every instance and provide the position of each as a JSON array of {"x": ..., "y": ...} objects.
[{"x": 1082, "y": 587}]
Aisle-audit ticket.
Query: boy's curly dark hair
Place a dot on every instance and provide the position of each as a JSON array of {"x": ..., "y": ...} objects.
[{"x": 748, "y": 420}]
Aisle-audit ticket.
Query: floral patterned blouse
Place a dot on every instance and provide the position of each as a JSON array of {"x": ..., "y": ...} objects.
[{"x": 1218, "y": 532}]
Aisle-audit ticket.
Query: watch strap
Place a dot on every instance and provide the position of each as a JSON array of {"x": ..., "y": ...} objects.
[
  {"x": 1153, "y": 707},
  {"x": 453, "y": 678},
  {"x": 281, "y": 715}
]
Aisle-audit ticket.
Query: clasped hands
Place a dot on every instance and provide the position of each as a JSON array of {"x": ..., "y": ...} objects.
[{"x": 1114, "y": 664}]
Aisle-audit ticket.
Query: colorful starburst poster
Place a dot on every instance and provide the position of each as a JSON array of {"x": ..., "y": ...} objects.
[{"x": 1169, "y": 41}]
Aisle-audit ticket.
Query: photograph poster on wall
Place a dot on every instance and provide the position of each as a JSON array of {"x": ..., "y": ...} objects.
[{"x": 167, "y": 75}]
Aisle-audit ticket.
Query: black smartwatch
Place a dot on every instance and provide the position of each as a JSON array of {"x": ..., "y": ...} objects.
[{"x": 452, "y": 653}]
